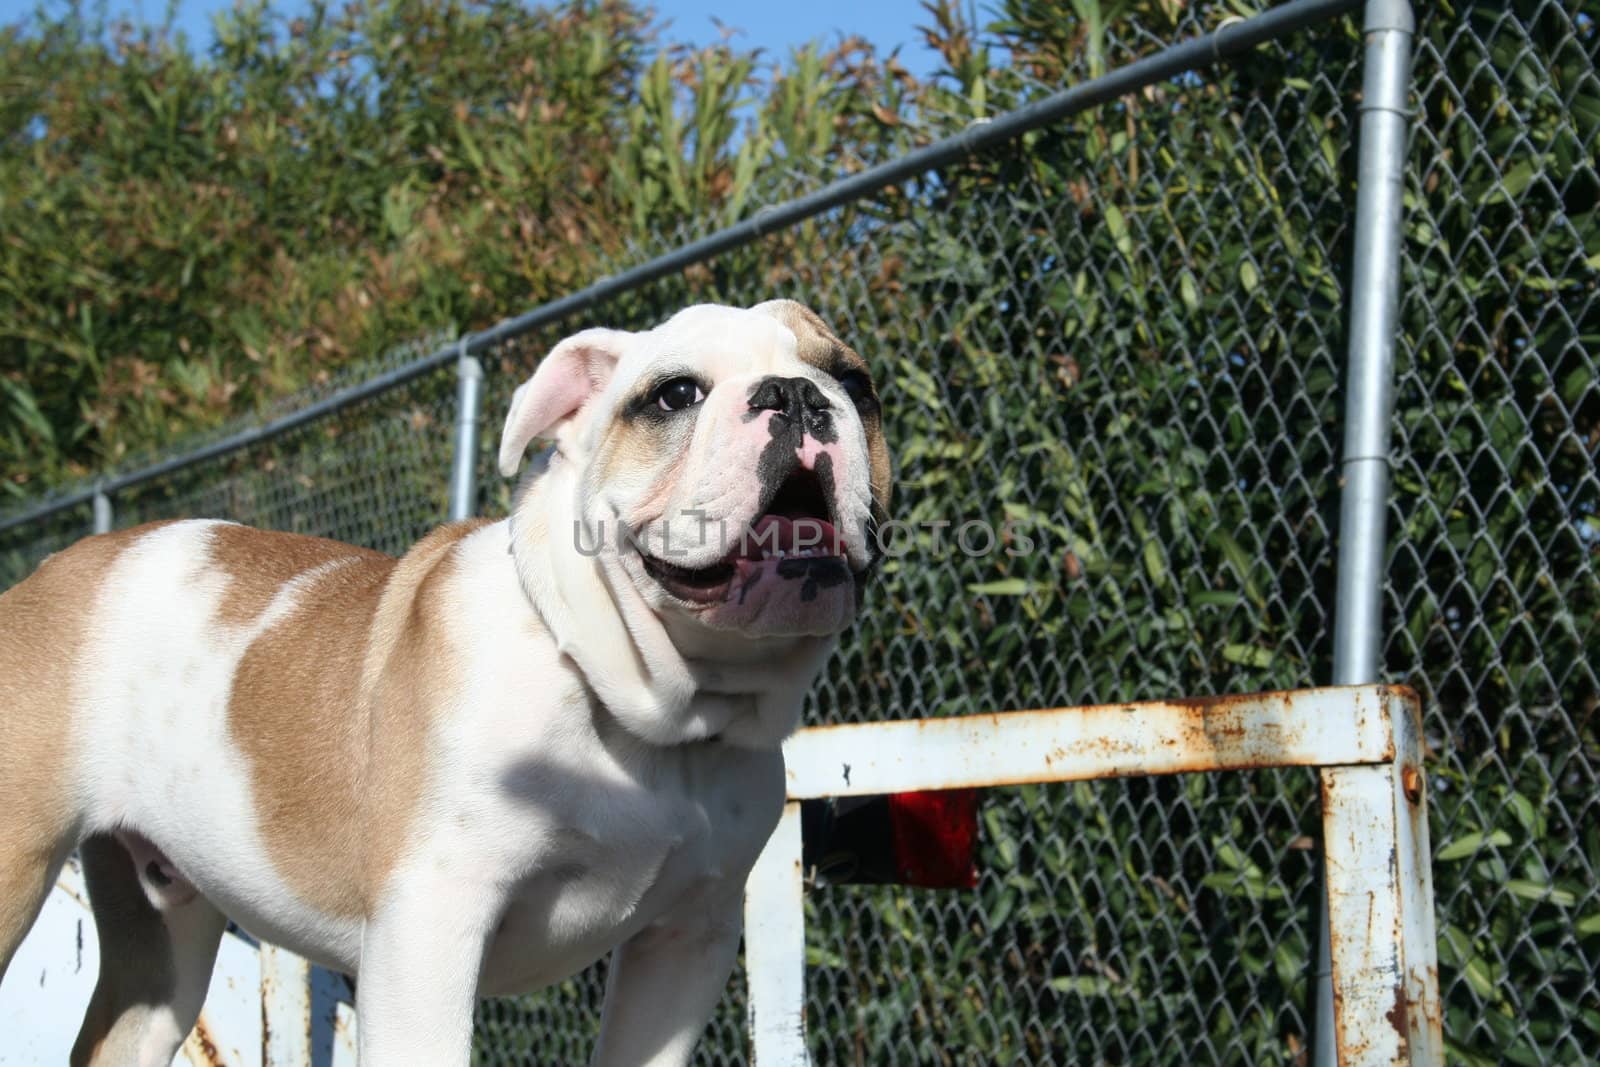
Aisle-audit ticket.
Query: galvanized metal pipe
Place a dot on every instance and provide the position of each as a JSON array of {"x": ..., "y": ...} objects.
[
  {"x": 102, "y": 512},
  {"x": 1388, "y": 27},
  {"x": 463, "y": 473}
]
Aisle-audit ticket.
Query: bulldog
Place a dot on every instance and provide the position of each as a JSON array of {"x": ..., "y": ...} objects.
[{"x": 478, "y": 768}]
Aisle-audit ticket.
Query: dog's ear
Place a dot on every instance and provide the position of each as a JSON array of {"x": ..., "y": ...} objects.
[{"x": 574, "y": 372}]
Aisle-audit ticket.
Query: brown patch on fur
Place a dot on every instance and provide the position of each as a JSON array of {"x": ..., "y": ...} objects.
[
  {"x": 409, "y": 676},
  {"x": 819, "y": 346},
  {"x": 43, "y": 620},
  {"x": 259, "y": 562},
  {"x": 332, "y": 705},
  {"x": 630, "y": 447}
]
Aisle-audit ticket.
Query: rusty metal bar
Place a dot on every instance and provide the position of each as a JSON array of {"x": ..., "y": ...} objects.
[
  {"x": 345, "y": 1039},
  {"x": 775, "y": 947},
  {"x": 1303, "y": 728},
  {"x": 1380, "y": 905},
  {"x": 285, "y": 1008}
]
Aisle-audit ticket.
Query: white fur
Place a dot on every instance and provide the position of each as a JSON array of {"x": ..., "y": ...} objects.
[{"x": 152, "y": 735}]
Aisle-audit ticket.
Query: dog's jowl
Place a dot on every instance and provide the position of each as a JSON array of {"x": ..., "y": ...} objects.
[{"x": 480, "y": 767}]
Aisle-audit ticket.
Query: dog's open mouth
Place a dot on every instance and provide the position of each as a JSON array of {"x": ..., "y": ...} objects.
[{"x": 795, "y": 534}]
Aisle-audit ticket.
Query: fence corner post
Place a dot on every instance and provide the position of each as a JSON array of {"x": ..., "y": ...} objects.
[
  {"x": 463, "y": 473},
  {"x": 1388, "y": 27}
]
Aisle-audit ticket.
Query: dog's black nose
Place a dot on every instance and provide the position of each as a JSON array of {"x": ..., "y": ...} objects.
[{"x": 797, "y": 398}]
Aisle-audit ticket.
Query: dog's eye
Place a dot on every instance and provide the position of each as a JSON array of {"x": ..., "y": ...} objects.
[
  {"x": 856, "y": 387},
  {"x": 677, "y": 394}
]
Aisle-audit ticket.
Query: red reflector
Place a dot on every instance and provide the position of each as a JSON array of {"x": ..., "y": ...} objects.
[{"x": 933, "y": 838}]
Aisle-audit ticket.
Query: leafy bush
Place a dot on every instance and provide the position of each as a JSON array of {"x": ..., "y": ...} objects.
[{"x": 190, "y": 235}]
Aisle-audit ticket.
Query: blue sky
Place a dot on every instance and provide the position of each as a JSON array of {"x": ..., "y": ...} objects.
[
  {"x": 776, "y": 26},
  {"x": 773, "y": 26}
]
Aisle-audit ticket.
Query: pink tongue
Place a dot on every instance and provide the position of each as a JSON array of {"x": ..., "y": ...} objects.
[{"x": 771, "y": 534}]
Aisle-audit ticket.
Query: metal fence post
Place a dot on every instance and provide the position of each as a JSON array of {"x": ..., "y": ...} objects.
[
  {"x": 1380, "y": 888},
  {"x": 102, "y": 511},
  {"x": 775, "y": 948},
  {"x": 1374, "y": 311},
  {"x": 285, "y": 1008},
  {"x": 463, "y": 474}
]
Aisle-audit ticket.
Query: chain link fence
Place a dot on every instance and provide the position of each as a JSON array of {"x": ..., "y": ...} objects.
[{"x": 1120, "y": 338}]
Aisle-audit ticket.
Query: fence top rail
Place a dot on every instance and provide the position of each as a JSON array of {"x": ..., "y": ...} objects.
[
  {"x": 1230, "y": 39},
  {"x": 1333, "y": 726}
]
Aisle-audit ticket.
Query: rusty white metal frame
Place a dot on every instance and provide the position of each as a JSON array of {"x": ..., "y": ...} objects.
[
  {"x": 259, "y": 1011},
  {"x": 285, "y": 1007},
  {"x": 1366, "y": 740}
]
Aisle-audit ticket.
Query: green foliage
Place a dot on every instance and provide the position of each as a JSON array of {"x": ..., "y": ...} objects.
[
  {"x": 1495, "y": 594},
  {"x": 189, "y": 236}
]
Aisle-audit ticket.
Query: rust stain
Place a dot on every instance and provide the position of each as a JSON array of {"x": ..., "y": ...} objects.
[
  {"x": 1227, "y": 700},
  {"x": 343, "y": 1022},
  {"x": 202, "y": 1043},
  {"x": 266, "y": 1014},
  {"x": 1108, "y": 746},
  {"x": 1426, "y": 982},
  {"x": 1223, "y": 702},
  {"x": 1347, "y": 1053},
  {"x": 1411, "y": 781},
  {"x": 1404, "y": 692},
  {"x": 1336, "y": 937},
  {"x": 1229, "y": 729},
  {"x": 1397, "y": 1016}
]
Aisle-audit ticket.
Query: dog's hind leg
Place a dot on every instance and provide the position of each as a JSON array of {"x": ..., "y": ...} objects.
[
  {"x": 155, "y": 963},
  {"x": 26, "y": 876},
  {"x": 43, "y": 622},
  {"x": 38, "y": 825}
]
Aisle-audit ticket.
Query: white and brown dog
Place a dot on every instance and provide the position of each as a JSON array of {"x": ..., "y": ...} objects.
[{"x": 478, "y": 768}]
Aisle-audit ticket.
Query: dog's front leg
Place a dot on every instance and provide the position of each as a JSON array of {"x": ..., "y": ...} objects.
[
  {"x": 421, "y": 953},
  {"x": 665, "y": 980}
]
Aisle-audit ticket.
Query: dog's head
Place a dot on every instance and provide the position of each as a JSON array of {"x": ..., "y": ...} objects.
[{"x": 730, "y": 461}]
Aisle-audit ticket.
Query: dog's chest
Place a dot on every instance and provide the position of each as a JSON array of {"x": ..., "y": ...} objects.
[{"x": 624, "y": 849}]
